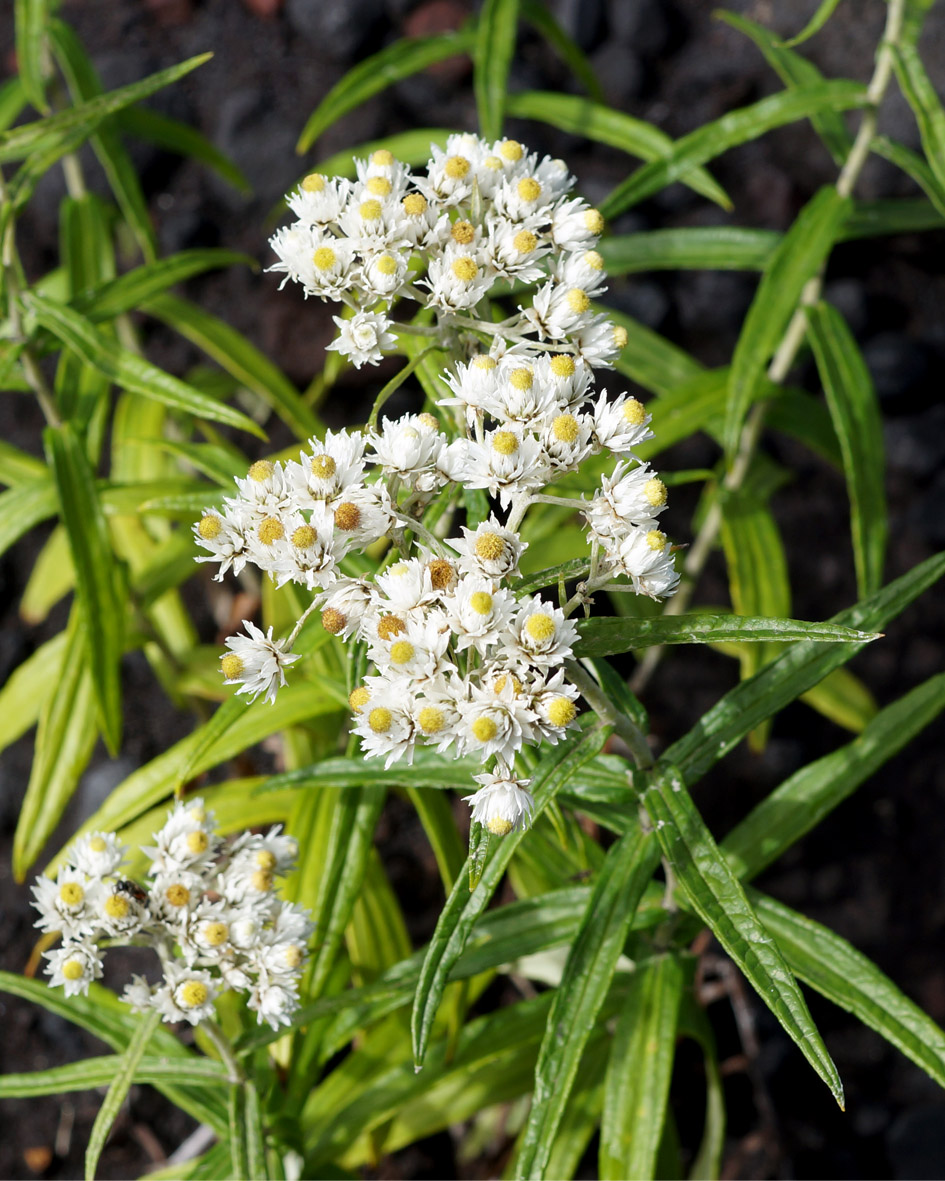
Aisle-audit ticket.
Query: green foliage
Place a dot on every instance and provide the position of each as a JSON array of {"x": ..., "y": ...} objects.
[{"x": 385, "y": 1049}]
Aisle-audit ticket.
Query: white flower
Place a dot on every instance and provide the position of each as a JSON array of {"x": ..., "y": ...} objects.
[
  {"x": 509, "y": 461},
  {"x": 174, "y": 896},
  {"x": 187, "y": 840},
  {"x": 74, "y": 966},
  {"x": 256, "y": 662},
  {"x": 383, "y": 274},
  {"x": 621, "y": 424},
  {"x": 385, "y": 725},
  {"x": 408, "y": 447},
  {"x": 363, "y": 338},
  {"x": 273, "y": 1001},
  {"x": 575, "y": 225},
  {"x": 599, "y": 342},
  {"x": 362, "y": 514},
  {"x": 319, "y": 199},
  {"x": 226, "y": 536},
  {"x": 553, "y": 703},
  {"x": 540, "y": 634},
  {"x": 138, "y": 994},
  {"x": 495, "y": 723},
  {"x": 478, "y": 612},
  {"x": 68, "y": 904},
  {"x": 645, "y": 556},
  {"x": 457, "y": 279},
  {"x": 490, "y": 550},
  {"x": 502, "y": 804},
  {"x": 97, "y": 854},
  {"x": 186, "y": 994},
  {"x": 344, "y": 605},
  {"x": 627, "y": 496}
]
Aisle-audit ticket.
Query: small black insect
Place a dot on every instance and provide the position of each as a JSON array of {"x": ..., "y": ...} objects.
[{"x": 125, "y": 886}]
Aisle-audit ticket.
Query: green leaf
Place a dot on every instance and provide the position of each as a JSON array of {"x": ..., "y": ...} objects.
[
  {"x": 538, "y": 16},
  {"x": 845, "y": 976},
  {"x": 236, "y": 1118},
  {"x": 135, "y": 287},
  {"x": 871, "y": 219},
  {"x": 12, "y": 101},
  {"x": 427, "y": 771},
  {"x": 129, "y": 370},
  {"x": 719, "y": 900},
  {"x": 737, "y": 127},
  {"x": 27, "y": 687},
  {"x": 824, "y": 11},
  {"x": 843, "y": 698},
  {"x": 492, "y": 56},
  {"x": 798, "y": 669},
  {"x": 529, "y": 583},
  {"x": 912, "y": 164},
  {"x": 62, "y": 132},
  {"x": 714, "y": 248},
  {"x": 376, "y": 73},
  {"x": 30, "y": 18},
  {"x": 857, "y": 421},
  {"x": 797, "y": 259},
  {"x": 919, "y": 93},
  {"x": 234, "y": 353},
  {"x": 463, "y": 907},
  {"x": 98, "y": 585},
  {"x": 812, "y": 793},
  {"x": 184, "y": 140},
  {"x": 636, "y": 1089},
  {"x": 650, "y": 359},
  {"x": 24, "y": 506},
  {"x": 601, "y": 123},
  {"x": 64, "y": 742},
  {"x": 590, "y": 967},
  {"x": 17, "y": 467},
  {"x": 118, "y": 1089},
  {"x": 99, "y": 1072},
  {"x": 607, "y": 635},
  {"x": 253, "y": 1131}
]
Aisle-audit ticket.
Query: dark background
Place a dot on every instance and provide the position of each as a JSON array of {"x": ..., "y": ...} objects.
[{"x": 874, "y": 870}]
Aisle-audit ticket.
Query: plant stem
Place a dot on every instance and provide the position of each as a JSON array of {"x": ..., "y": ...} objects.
[
  {"x": 607, "y": 712},
  {"x": 221, "y": 1043}
]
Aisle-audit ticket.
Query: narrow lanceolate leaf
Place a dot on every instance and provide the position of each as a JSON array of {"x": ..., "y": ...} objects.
[
  {"x": 912, "y": 164},
  {"x": 236, "y": 1118},
  {"x": 636, "y": 1088},
  {"x": 492, "y": 56},
  {"x": 797, "y": 259},
  {"x": 798, "y": 669},
  {"x": 737, "y": 127},
  {"x": 68, "y": 128},
  {"x": 823, "y": 13},
  {"x": 845, "y": 976},
  {"x": 28, "y": 687},
  {"x": 98, "y": 580},
  {"x": 425, "y": 772},
  {"x": 595, "y": 120},
  {"x": 606, "y": 636},
  {"x": 64, "y": 740},
  {"x": 538, "y": 16},
  {"x": 369, "y": 77},
  {"x": 857, "y": 421},
  {"x": 234, "y": 353},
  {"x": 713, "y": 248},
  {"x": 24, "y": 506},
  {"x": 174, "y": 136},
  {"x": 254, "y": 1134},
  {"x": 718, "y": 898},
  {"x": 920, "y": 95},
  {"x": 588, "y": 972},
  {"x": 99, "y": 1072},
  {"x": 120, "y": 1085},
  {"x": 29, "y": 21},
  {"x": 463, "y": 907},
  {"x": 802, "y": 801},
  {"x": 129, "y": 370}
]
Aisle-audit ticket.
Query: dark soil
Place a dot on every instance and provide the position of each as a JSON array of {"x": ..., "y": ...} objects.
[{"x": 874, "y": 870}]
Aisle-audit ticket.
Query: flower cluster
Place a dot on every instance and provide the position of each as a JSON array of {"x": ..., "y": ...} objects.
[
  {"x": 209, "y": 911},
  {"x": 461, "y": 661}
]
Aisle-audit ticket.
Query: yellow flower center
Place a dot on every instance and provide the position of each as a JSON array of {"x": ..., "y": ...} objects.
[
  {"x": 499, "y": 826},
  {"x": 594, "y": 260},
  {"x": 117, "y": 906},
  {"x": 498, "y": 685},
  {"x": 562, "y": 365},
  {"x": 528, "y": 188},
  {"x": 304, "y": 537},
  {"x": 633, "y": 412},
  {"x": 430, "y": 719},
  {"x": 656, "y": 540},
  {"x": 370, "y": 210},
  {"x": 505, "y": 442},
  {"x": 382, "y": 157},
  {"x": 511, "y": 149},
  {"x": 293, "y": 956},
  {"x": 197, "y": 841},
  {"x": 98, "y": 845},
  {"x": 578, "y": 300},
  {"x": 441, "y": 573},
  {"x": 484, "y": 361},
  {"x": 73, "y": 970},
  {"x": 324, "y": 258},
  {"x": 266, "y": 859},
  {"x": 314, "y": 183},
  {"x": 525, "y": 241},
  {"x": 215, "y": 934},
  {"x": 489, "y": 547},
  {"x": 485, "y": 729},
  {"x": 463, "y": 232},
  {"x": 347, "y": 516},
  {"x": 389, "y": 626},
  {"x": 465, "y": 269},
  {"x": 358, "y": 698},
  {"x": 323, "y": 467},
  {"x": 521, "y": 379},
  {"x": 561, "y": 711},
  {"x": 192, "y": 994},
  {"x": 481, "y": 602},
  {"x": 428, "y": 420},
  {"x": 540, "y": 627},
  {"x": 620, "y": 336},
  {"x": 493, "y": 163},
  {"x": 210, "y": 527},
  {"x": 415, "y": 204},
  {"x": 593, "y": 221},
  {"x": 271, "y": 530},
  {"x": 231, "y": 666},
  {"x": 565, "y": 428},
  {"x": 655, "y": 491},
  {"x": 456, "y": 167},
  {"x": 387, "y": 264},
  {"x": 380, "y": 719},
  {"x": 402, "y": 652},
  {"x": 333, "y": 620},
  {"x": 261, "y": 881},
  {"x": 177, "y": 895},
  {"x": 261, "y": 470},
  {"x": 71, "y": 893},
  {"x": 380, "y": 186}
]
